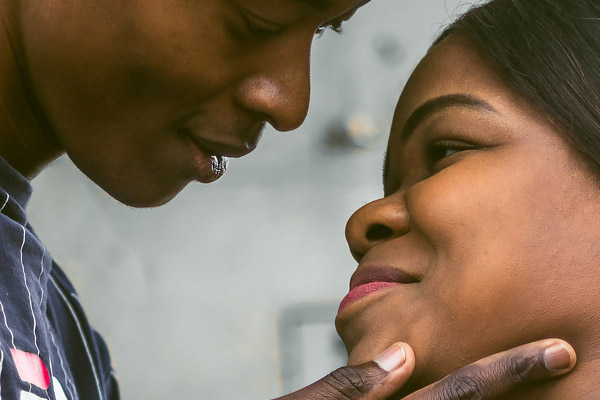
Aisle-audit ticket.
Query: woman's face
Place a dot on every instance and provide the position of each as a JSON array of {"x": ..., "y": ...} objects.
[
  {"x": 141, "y": 93},
  {"x": 488, "y": 235}
]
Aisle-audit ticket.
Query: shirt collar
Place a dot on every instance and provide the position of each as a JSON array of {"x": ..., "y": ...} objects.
[{"x": 15, "y": 184}]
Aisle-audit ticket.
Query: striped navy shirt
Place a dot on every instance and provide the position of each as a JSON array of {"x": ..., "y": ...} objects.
[{"x": 47, "y": 348}]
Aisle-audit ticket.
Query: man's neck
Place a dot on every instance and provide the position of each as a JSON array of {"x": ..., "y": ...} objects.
[{"x": 26, "y": 141}]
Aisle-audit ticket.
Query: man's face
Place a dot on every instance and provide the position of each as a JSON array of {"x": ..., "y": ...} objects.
[{"x": 148, "y": 95}]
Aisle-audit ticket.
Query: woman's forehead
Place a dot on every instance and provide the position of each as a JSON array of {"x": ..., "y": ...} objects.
[
  {"x": 453, "y": 79},
  {"x": 454, "y": 68},
  {"x": 451, "y": 66}
]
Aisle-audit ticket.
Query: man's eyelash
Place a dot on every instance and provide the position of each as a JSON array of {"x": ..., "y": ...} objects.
[{"x": 259, "y": 29}]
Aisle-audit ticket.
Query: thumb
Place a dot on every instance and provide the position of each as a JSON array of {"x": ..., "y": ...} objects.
[{"x": 373, "y": 380}]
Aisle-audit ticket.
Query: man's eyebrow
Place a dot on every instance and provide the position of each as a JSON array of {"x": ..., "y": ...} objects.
[
  {"x": 438, "y": 104},
  {"x": 320, "y": 5},
  {"x": 429, "y": 108}
]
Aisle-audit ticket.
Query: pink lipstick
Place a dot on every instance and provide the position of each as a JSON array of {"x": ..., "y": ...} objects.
[
  {"x": 364, "y": 290},
  {"x": 368, "y": 280}
]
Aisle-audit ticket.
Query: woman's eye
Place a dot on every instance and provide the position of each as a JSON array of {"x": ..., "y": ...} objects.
[
  {"x": 440, "y": 152},
  {"x": 442, "y": 149}
]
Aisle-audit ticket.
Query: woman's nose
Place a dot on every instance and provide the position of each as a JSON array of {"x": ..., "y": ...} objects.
[
  {"x": 377, "y": 222},
  {"x": 279, "y": 88}
]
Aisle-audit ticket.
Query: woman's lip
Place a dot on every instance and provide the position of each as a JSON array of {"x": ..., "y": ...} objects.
[
  {"x": 206, "y": 167},
  {"x": 367, "y": 274},
  {"x": 368, "y": 280},
  {"x": 366, "y": 289}
]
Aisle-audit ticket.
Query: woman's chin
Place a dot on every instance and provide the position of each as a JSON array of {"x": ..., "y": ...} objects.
[
  {"x": 355, "y": 358},
  {"x": 367, "y": 350}
]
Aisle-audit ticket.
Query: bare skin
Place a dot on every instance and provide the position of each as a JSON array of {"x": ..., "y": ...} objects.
[
  {"x": 144, "y": 95},
  {"x": 129, "y": 90},
  {"x": 495, "y": 219}
]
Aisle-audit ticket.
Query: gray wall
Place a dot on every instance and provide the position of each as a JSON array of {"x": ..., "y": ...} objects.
[{"x": 230, "y": 290}]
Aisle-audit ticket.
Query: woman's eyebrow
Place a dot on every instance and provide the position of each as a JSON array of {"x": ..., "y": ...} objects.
[{"x": 438, "y": 104}]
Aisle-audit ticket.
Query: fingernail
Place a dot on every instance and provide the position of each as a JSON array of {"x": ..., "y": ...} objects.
[
  {"x": 557, "y": 358},
  {"x": 392, "y": 358}
]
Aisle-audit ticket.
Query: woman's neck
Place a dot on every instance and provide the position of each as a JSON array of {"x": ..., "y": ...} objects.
[{"x": 26, "y": 141}]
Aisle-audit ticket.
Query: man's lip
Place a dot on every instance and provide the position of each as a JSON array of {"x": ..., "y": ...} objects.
[
  {"x": 232, "y": 142},
  {"x": 206, "y": 166},
  {"x": 366, "y": 275},
  {"x": 221, "y": 149}
]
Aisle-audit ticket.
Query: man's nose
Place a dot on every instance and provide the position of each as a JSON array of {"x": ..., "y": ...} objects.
[
  {"x": 279, "y": 88},
  {"x": 377, "y": 222}
]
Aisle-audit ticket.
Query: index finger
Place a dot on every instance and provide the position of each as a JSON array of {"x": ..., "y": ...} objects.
[{"x": 501, "y": 373}]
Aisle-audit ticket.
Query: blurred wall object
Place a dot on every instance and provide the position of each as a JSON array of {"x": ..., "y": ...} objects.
[{"x": 308, "y": 344}]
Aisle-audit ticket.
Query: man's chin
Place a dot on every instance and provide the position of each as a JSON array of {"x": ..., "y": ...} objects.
[{"x": 144, "y": 198}]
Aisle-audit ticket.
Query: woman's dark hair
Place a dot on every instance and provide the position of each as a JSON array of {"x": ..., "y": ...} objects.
[{"x": 547, "y": 51}]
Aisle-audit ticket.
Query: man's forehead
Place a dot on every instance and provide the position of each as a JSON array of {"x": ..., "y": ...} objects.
[
  {"x": 316, "y": 4},
  {"x": 324, "y": 5}
]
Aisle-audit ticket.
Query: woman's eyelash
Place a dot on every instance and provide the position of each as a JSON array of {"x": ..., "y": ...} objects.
[
  {"x": 335, "y": 25},
  {"x": 442, "y": 149}
]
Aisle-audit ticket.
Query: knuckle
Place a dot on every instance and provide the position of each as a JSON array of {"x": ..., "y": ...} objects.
[
  {"x": 515, "y": 370},
  {"x": 522, "y": 366},
  {"x": 470, "y": 384},
  {"x": 347, "y": 382},
  {"x": 478, "y": 382}
]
